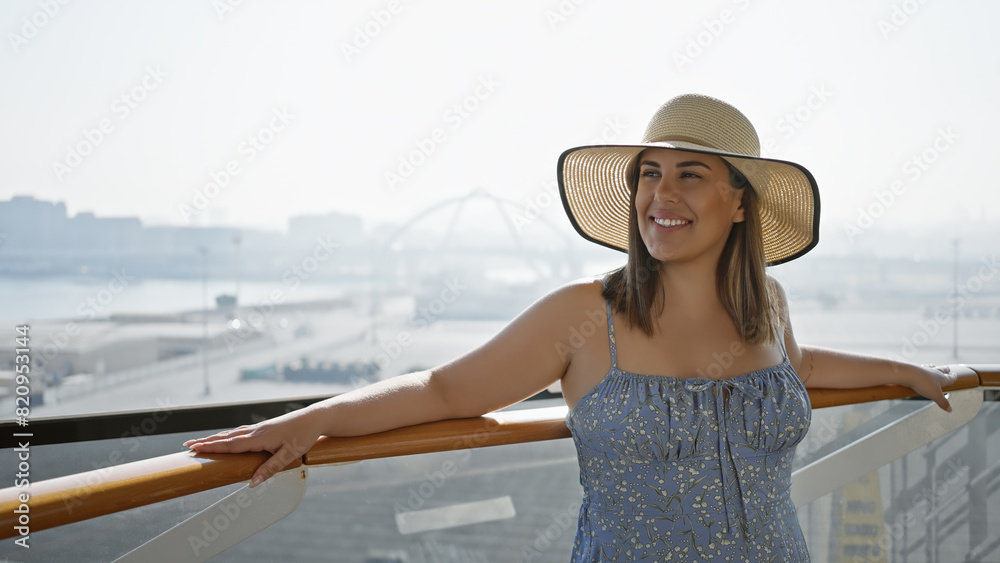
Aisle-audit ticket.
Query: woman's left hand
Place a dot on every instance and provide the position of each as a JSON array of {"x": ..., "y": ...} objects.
[{"x": 930, "y": 381}]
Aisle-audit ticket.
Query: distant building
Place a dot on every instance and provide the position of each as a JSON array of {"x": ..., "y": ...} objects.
[
  {"x": 102, "y": 235},
  {"x": 38, "y": 238},
  {"x": 33, "y": 224}
]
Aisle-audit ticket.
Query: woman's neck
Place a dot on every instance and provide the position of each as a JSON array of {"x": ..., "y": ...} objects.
[{"x": 689, "y": 289}]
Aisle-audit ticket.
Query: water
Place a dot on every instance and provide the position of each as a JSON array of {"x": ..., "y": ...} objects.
[
  {"x": 34, "y": 299},
  {"x": 28, "y": 299}
]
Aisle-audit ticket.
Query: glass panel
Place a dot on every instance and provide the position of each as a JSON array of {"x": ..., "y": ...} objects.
[
  {"x": 107, "y": 537},
  {"x": 937, "y": 504},
  {"x": 521, "y": 502},
  {"x": 528, "y": 496}
]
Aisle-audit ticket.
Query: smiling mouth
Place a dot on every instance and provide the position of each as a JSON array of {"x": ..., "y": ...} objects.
[{"x": 670, "y": 222}]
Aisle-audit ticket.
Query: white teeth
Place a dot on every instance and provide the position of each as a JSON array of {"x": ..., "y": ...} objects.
[{"x": 671, "y": 222}]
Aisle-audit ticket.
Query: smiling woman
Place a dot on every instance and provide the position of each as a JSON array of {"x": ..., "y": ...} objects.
[
  {"x": 696, "y": 211},
  {"x": 725, "y": 223},
  {"x": 672, "y": 464},
  {"x": 689, "y": 196}
]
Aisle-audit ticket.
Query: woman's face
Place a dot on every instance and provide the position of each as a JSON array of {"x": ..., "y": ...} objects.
[{"x": 685, "y": 205}]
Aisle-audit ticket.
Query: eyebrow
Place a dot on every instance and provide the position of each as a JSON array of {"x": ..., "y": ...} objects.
[{"x": 679, "y": 165}]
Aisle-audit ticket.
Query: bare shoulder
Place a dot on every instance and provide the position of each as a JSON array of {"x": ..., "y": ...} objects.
[
  {"x": 775, "y": 286},
  {"x": 777, "y": 293},
  {"x": 575, "y": 297},
  {"x": 565, "y": 307}
]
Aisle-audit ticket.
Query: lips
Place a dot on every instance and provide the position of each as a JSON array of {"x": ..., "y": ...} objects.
[
  {"x": 667, "y": 221},
  {"x": 670, "y": 222}
]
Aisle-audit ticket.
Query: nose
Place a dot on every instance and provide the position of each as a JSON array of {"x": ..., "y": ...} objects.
[{"x": 665, "y": 190}]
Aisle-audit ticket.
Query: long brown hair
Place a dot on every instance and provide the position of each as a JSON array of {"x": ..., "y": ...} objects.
[{"x": 741, "y": 280}]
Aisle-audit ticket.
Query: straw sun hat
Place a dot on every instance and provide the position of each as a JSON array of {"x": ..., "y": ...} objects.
[{"x": 596, "y": 195}]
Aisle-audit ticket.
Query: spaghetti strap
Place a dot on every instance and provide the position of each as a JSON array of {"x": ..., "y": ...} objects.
[
  {"x": 611, "y": 338},
  {"x": 611, "y": 328},
  {"x": 780, "y": 334}
]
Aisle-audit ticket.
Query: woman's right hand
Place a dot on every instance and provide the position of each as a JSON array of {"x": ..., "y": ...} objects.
[{"x": 287, "y": 437}]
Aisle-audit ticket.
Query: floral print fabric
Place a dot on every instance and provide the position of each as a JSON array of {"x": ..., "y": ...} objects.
[{"x": 697, "y": 469}]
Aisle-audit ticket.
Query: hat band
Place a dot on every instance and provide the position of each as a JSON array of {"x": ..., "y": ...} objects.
[{"x": 702, "y": 143}]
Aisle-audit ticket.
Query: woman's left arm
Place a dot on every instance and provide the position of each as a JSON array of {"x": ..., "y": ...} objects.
[{"x": 834, "y": 369}]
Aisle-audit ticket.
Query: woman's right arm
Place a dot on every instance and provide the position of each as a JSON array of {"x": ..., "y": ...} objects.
[{"x": 525, "y": 357}]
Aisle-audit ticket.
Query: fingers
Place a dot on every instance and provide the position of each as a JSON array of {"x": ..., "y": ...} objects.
[
  {"x": 287, "y": 438},
  {"x": 243, "y": 439},
  {"x": 281, "y": 459},
  {"x": 937, "y": 394},
  {"x": 932, "y": 387},
  {"x": 943, "y": 402},
  {"x": 194, "y": 441},
  {"x": 227, "y": 441},
  {"x": 220, "y": 446}
]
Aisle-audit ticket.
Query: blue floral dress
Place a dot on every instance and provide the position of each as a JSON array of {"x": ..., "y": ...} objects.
[{"x": 689, "y": 469}]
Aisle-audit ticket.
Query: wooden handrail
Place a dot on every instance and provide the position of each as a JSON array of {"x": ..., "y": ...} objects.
[
  {"x": 968, "y": 377},
  {"x": 493, "y": 429},
  {"x": 989, "y": 374},
  {"x": 64, "y": 500},
  {"x": 72, "y": 498}
]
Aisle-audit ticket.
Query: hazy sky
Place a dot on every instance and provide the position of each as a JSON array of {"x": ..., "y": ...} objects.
[{"x": 311, "y": 104}]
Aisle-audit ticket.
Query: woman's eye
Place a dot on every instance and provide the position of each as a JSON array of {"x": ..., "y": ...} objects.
[
  {"x": 689, "y": 175},
  {"x": 650, "y": 173}
]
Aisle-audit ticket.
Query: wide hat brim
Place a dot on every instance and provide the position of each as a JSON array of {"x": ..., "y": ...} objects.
[{"x": 595, "y": 193}]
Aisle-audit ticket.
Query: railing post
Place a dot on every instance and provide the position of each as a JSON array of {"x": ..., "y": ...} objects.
[{"x": 930, "y": 543}]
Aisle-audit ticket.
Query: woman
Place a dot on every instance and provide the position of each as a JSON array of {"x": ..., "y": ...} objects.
[{"x": 685, "y": 416}]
